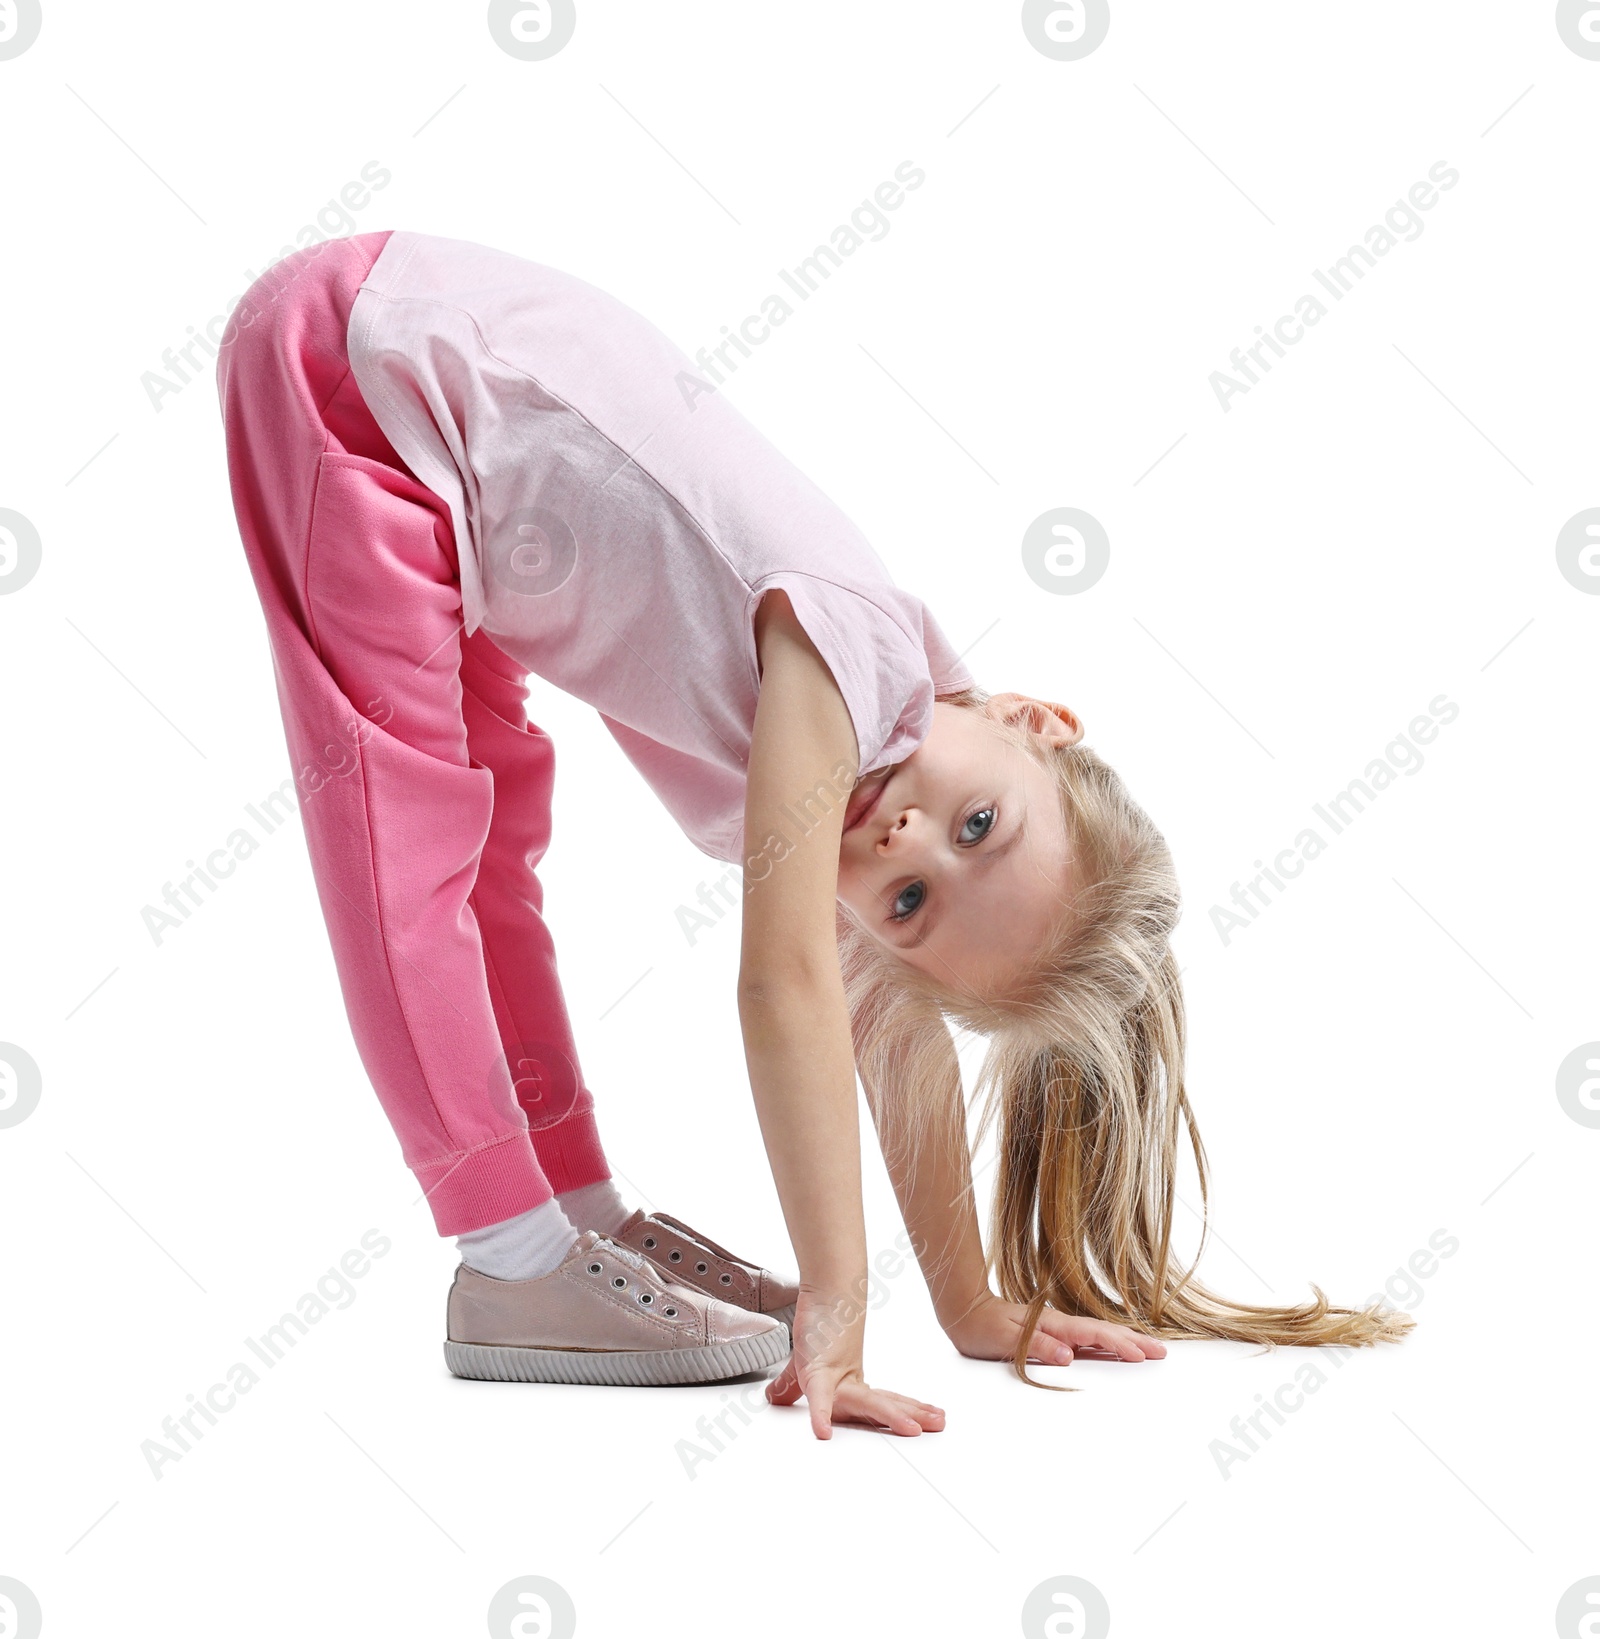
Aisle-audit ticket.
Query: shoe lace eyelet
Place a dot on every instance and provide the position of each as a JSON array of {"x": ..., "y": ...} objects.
[
  {"x": 677, "y": 1257},
  {"x": 669, "y": 1310},
  {"x": 700, "y": 1268},
  {"x": 595, "y": 1269},
  {"x": 646, "y": 1298},
  {"x": 727, "y": 1280},
  {"x": 649, "y": 1240},
  {"x": 618, "y": 1281}
]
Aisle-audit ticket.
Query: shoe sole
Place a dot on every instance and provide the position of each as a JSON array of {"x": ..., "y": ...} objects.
[
  {"x": 642, "y": 1368},
  {"x": 785, "y": 1314}
]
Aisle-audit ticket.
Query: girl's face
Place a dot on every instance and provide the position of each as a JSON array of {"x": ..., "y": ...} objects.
[{"x": 957, "y": 858}]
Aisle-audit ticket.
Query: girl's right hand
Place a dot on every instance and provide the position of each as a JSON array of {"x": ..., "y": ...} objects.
[
  {"x": 990, "y": 1329},
  {"x": 824, "y": 1366}
]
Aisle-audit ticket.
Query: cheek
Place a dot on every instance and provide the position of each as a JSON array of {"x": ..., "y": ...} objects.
[
  {"x": 859, "y": 897},
  {"x": 849, "y": 887}
]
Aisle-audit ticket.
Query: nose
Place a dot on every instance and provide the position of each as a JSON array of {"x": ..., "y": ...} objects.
[{"x": 900, "y": 831}]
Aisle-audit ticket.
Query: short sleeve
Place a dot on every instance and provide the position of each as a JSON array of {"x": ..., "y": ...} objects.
[{"x": 887, "y": 655}]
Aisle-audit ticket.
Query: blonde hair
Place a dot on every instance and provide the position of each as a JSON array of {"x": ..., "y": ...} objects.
[{"x": 1084, "y": 1074}]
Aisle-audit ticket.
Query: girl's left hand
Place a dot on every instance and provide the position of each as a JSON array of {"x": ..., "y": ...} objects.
[{"x": 989, "y": 1331}]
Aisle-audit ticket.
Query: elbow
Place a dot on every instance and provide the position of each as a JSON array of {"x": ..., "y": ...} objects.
[
  {"x": 755, "y": 995},
  {"x": 795, "y": 984}
]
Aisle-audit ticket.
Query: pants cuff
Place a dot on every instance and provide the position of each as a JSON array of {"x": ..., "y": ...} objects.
[
  {"x": 569, "y": 1153},
  {"x": 486, "y": 1186}
]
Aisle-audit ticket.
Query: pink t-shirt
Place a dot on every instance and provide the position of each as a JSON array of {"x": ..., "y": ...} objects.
[{"x": 617, "y": 520}]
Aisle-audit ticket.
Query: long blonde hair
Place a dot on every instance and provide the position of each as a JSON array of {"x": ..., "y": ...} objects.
[{"x": 1084, "y": 1074}]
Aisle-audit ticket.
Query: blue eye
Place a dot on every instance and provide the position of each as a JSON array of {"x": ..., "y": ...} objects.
[
  {"x": 984, "y": 819},
  {"x": 908, "y": 900}
]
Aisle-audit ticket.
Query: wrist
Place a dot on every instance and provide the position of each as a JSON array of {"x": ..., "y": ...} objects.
[
  {"x": 838, "y": 1266},
  {"x": 840, "y": 1294},
  {"x": 954, "y": 1313}
]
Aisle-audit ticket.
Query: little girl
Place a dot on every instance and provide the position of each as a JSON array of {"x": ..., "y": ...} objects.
[{"x": 452, "y": 468}]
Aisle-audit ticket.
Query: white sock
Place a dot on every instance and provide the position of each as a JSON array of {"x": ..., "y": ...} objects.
[
  {"x": 520, "y": 1248},
  {"x": 596, "y": 1206}
]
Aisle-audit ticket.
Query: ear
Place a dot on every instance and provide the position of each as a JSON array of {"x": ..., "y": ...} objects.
[{"x": 1055, "y": 724}]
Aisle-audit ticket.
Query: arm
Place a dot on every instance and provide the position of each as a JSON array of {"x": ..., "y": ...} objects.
[
  {"x": 796, "y": 1029},
  {"x": 933, "y": 1184}
]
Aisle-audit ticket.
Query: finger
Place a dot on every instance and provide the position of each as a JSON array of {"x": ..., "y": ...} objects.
[
  {"x": 873, "y": 1407},
  {"x": 1050, "y": 1350},
  {"x": 1051, "y": 1344},
  {"x": 1095, "y": 1334},
  {"x": 1118, "y": 1340},
  {"x": 820, "y": 1398},
  {"x": 882, "y": 1414},
  {"x": 784, "y": 1389},
  {"x": 931, "y": 1417},
  {"x": 1128, "y": 1344}
]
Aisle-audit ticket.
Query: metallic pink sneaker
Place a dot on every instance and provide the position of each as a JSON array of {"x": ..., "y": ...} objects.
[
  {"x": 605, "y": 1314},
  {"x": 696, "y": 1260}
]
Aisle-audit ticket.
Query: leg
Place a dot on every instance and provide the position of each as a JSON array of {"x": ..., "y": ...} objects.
[
  {"x": 519, "y": 957},
  {"x": 355, "y": 564}
]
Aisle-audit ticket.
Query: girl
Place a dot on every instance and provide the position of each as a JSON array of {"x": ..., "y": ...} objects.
[{"x": 451, "y": 468}]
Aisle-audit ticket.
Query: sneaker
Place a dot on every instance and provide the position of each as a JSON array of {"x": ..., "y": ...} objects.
[
  {"x": 605, "y": 1314},
  {"x": 696, "y": 1260}
]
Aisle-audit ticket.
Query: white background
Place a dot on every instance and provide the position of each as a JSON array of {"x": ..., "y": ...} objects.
[{"x": 1373, "y": 1059}]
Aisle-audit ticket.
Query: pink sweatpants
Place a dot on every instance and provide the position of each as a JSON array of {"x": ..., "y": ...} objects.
[{"x": 424, "y": 790}]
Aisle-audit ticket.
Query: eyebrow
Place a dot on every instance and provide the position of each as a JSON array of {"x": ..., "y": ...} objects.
[{"x": 988, "y": 856}]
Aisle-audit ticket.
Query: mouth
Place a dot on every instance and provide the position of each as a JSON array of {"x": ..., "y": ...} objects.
[{"x": 865, "y": 798}]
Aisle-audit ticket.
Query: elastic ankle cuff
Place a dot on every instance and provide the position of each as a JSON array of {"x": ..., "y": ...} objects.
[
  {"x": 569, "y": 1153},
  {"x": 485, "y": 1186}
]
